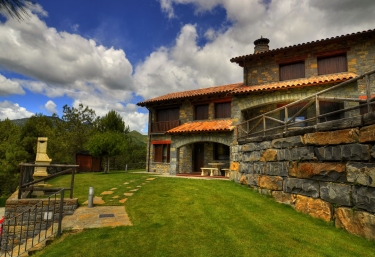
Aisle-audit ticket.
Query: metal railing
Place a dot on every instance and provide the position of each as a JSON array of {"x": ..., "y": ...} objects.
[
  {"x": 33, "y": 226},
  {"x": 28, "y": 184},
  {"x": 164, "y": 126},
  {"x": 307, "y": 111}
]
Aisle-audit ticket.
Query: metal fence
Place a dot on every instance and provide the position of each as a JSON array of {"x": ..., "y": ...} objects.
[{"x": 33, "y": 226}]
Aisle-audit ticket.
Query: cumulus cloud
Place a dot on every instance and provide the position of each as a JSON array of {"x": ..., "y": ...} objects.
[
  {"x": 187, "y": 65},
  {"x": 13, "y": 111},
  {"x": 65, "y": 64},
  {"x": 9, "y": 87},
  {"x": 50, "y": 106}
]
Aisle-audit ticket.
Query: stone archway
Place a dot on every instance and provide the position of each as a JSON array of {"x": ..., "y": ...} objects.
[{"x": 180, "y": 141}]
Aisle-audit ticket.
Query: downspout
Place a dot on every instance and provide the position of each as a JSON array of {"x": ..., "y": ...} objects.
[
  {"x": 245, "y": 72},
  {"x": 149, "y": 139}
]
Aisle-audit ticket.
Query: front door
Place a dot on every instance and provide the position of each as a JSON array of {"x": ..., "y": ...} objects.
[{"x": 198, "y": 156}]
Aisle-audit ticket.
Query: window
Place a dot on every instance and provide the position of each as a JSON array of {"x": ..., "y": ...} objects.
[
  {"x": 292, "y": 70},
  {"x": 168, "y": 114},
  {"x": 162, "y": 153},
  {"x": 327, "y": 107},
  {"x": 221, "y": 152},
  {"x": 223, "y": 110},
  {"x": 292, "y": 110},
  {"x": 332, "y": 64},
  {"x": 201, "y": 112}
]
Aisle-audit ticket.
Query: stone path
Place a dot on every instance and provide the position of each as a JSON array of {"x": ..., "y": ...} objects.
[
  {"x": 2, "y": 211},
  {"x": 97, "y": 217},
  {"x": 102, "y": 216}
]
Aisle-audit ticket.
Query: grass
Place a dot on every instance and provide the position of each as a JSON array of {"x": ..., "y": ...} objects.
[
  {"x": 186, "y": 217},
  {"x": 3, "y": 200}
]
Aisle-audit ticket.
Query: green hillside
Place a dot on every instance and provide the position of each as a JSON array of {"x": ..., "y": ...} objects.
[{"x": 138, "y": 137}]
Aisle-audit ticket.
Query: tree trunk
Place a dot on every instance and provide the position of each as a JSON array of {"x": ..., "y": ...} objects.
[{"x": 107, "y": 164}]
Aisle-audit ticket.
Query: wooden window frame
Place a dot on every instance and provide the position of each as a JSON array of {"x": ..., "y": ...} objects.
[{"x": 294, "y": 70}]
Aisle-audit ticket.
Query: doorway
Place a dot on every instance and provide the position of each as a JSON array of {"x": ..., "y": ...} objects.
[{"x": 198, "y": 157}]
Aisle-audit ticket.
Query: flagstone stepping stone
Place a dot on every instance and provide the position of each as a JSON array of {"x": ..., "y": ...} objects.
[
  {"x": 116, "y": 196},
  {"x": 128, "y": 194},
  {"x": 133, "y": 190},
  {"x": 107, "y": 193},
  {"x": 126, "y": 183},
  {"x": 123, "y": 200},
  {"x": 96, "y": 200},
  {"x": 150, "y": 178},
  {"x": 128, "y": 187},
  {"x": 113, "y": 188},
  {"x": 139, "y": 186}
]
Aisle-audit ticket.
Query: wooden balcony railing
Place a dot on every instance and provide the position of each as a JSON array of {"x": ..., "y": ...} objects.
[
  {"x": 354, "y": 103},
  {"x": 164, "y": 126}
]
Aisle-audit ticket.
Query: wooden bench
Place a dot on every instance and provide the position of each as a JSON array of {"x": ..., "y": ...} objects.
[
  {"x": 226, "y": 172},
  {"x": 213, "y": 171}
]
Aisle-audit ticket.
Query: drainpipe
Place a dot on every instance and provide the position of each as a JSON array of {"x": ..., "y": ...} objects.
[{"x": 149, "y": 139}]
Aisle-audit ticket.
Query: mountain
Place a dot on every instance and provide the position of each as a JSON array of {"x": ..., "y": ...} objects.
[{"x": 138, "y": 137}]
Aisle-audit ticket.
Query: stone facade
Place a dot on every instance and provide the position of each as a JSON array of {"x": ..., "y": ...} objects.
[
  {"x": 328, "y": 175},
  {"x": 360, "y": 57}
]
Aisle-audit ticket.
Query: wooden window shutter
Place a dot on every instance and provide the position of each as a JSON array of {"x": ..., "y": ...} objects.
[
  {"x": 201, "y": 112},
  {"x": 158, "y": 154},
  {"x": 332, "y": 64},
  {"x": 292, "y": 71},
  {"x": 223, "y": 110}
]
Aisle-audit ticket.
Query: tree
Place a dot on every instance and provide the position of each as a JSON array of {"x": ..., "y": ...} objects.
[
  {"x": 11, "y": 155},
  {"x": 112, "y": 121},
  {"x": 73, "y": 131},
  {"x": 106, "y": 144},
  {"x": 15, "y": 8},
  {"x": 36, "y": 126}
]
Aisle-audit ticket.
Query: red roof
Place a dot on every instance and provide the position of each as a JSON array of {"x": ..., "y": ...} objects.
[
  {"x": 193, "y": 93},
  {"x": 295, "y": 83},
  {"x": 240, "y": 59},
  {"x": 203, "y": 126}
]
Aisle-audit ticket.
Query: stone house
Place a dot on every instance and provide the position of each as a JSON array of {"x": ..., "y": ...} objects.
[{"x": 190, "y": 129}]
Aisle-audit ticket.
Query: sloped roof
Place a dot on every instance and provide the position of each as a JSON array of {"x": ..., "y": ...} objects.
[
  {"x": 240, "y": 59},
  {"x": 295, "y": 83},
  {"x": 203, "y": 126},
  {"x": 192, "y": 93}
]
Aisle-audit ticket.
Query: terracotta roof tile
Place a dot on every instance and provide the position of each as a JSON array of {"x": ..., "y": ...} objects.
[
  {"x": 307, "y": 44},
  {"x": 295, "y": 83},
  {"x": 203, "y": 126},
  {"x": 192, "y": 93}
]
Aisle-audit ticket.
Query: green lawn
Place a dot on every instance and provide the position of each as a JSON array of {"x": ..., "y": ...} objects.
[{"x": 188, "y": 217}]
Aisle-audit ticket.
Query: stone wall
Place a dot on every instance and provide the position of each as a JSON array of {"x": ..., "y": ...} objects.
[
  {"x": 31, "y": 223},
  {"x": 327, "y": 174}
]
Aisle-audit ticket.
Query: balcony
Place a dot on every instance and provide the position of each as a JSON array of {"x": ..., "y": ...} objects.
[{"x": 163, "y": 126}]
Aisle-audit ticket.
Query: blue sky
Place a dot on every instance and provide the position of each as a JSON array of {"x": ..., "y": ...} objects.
[{"x": 111, "y": 55}]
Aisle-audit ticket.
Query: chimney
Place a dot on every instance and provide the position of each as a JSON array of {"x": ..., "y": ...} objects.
[{"x": 261, "y": 45}]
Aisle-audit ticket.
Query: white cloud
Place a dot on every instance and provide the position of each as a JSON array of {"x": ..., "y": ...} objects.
[
  {"x": 50, "y": 106},
  {"x": 186, "y": 65},
  {"x": 13, "y": 111},
  {"x": 9, "y": 87}
]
